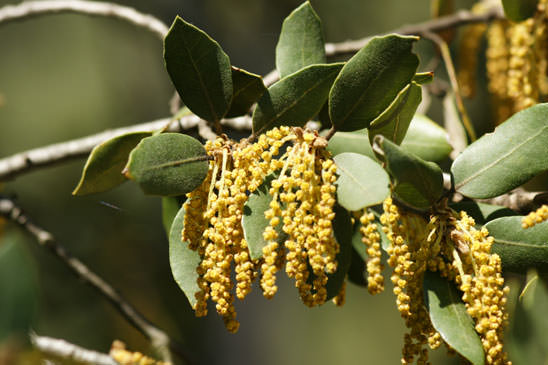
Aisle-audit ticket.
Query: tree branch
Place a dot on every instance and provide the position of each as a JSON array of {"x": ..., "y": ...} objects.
[
  {"x": 520, "y": 200},
  {"x": 68, "y": 351},
  {"x": 15, "y": 165},
  {"x": 156, "y": 336},
  {"x": 29, "y": 9}
]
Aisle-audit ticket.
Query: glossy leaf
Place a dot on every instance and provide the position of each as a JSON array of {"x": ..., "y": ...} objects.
[
  {"x": 18, "y": 287},
  {"x": 301, "y": 41},
  {"x": 183, "y": 260},
  {"x": 520, "y": 249},
  {"x": 503, "y": 160},
  {"x": 170, "y": 207},
  {"x": 450, "y": 318},
  {"x": 199, "y": 69},
  {"x": 394, "y": 121},
  {"x": 248, "y": 88},
  {"x": 370, "y": 81},
  {"x": 254, "y": 221},
  {"x": 357, "y": 142},
  {"x": 103, "y": 169},
  {"x": 482, "y": 212},
  {"x": 342, "y": 227},
  {"x": 417, "y": 182},
  {"x": 295, "y": 99},
  {"x": 426, "y": 139},
  {"x": 362, "y": 182},
  {"x": 168, "y": 164},
  {"x": 518, "y": 10}
]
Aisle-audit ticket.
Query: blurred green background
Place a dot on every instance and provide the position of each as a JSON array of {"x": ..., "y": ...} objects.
[{"x": 67, "y": 76}]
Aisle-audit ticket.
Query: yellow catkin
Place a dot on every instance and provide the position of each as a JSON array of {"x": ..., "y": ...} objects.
[
  {"x": 340, "y": 298},
  {"x": 124, "y": 357},
  {"x": 541, "y": 47},
  {"x": 372, "y": 240},
  {"x": 538, "y": 216}
]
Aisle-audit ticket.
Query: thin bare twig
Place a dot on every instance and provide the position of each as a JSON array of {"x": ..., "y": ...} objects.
[
  {"x": 69, "y": 351},
  {"x": 29, "y": 9},
  {"x": 158, "y": 338},
  {"x": 15, "y": 165}
]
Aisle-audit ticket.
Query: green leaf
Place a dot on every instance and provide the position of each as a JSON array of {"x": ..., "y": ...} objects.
[
  {"x": 357, "y": 142},
  {"x": 417, "y": 182},
  {"x": 357, "y": 273},
  {"x": 370, "y": 81},
  {"x": 342, "y": 227},
  {"x": 520, "y": 249},
  {"x": 426, "y": 139},
  {"x": 248, "y": 88},
  {"x": 482, "y": 212},
  {"x": 510, "y": 156},
  {"x": 449, "y": 317},
  {"x": 199, "y": 69},
  {"x": 394, "y": 121},
  {"x": 458, "y": 138},
  {"x": 103, "y": 169},
  {"x": 254, "y": 221},
  {"x": 518, "y": 10},
  {"x": 362, "y": 182},
  {"x": 168, "y": 164},
  {"x": 422, "y": 78},
  {"x": 19, "y": 287},
  {"x": 301, "y": 41},
  {"x": 170, "y": 207},
  {"x": 183, "y": 260},
  {"x": 295, "y": 99}
]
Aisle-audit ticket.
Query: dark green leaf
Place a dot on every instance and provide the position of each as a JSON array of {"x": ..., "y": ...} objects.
[
  {"x": 199, "y": 69},
  {"x": 342, "y": 226},
  {"x": 500, "y": 161},
  {"x": 426, "y": 139},
  {"x": 301, "y": 41},
  {"x": 168, "y": 164},
  {"x": 482, "y": 212},
  {"x": 362, "y": 182},
  {"x": 520, "y": 249},
  {"x": 248, "y": 88},
  {"x": 254, "y": 222},
  {"x": 18, "y": 287},
  {"x": 417, "y": 182},
  {"x": 295, "y": 99},
  {"x": 422, "y": 78},
  {"x": 170, "y": 207},
  {"x": 103, "y": 169},
  {"x": 357, "y": 271},
  {"x": 183, "y": 260},
  {"x": 357, "y": 142},
  {"x": 449, "y": 317},
  {"x": 370, "y": 81},
  {"x": 394, "y": 121},
  {"x": 518, "y": 10}
]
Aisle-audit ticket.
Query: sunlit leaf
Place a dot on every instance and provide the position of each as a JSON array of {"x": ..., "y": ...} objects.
[
  {"x": 168, "y": 164},
  {"x": 394, "y": 121},
  {"x": 520, "y": 249},
  {"x": 362, "y": 182},
  {"x": 183, "y": 260},
  {"x": 370, "y": 81},
  {"x": 501, "y": 161},
  {"x": 254, "y": 221},
  {"x": 450, "y": 318},
  {"x": 248, "y": 88},
  {"x": 518, "y": 10},
  {"x": 356, "y": 142},
  {"x": 199, "y": 69},
  {"x": 301, "y": 41},
  {"x": 295, "y": 99},
  {"x": 417, "y": 182},
  {"x": 426, "y": 139},
  {"x": 422, "y": 78},
  {"x": 103, "y": 169}
]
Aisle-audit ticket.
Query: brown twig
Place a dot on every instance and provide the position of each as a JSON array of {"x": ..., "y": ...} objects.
[{"x": 158, "y": 338}]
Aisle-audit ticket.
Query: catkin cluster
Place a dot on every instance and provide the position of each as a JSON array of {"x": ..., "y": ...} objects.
[
  {"x": 303, "y": 196},
  {"x": 124, "y": 357},
  {"x": 538, "y": 216},
  {"x": 446, "y": 242},
  {"x": 517, "y": 63}
]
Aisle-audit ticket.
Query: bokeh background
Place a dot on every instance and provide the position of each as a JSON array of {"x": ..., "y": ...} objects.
[{"x": 67, "y": 76}]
